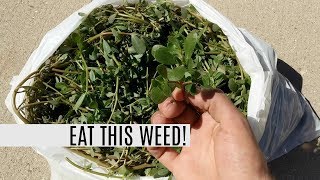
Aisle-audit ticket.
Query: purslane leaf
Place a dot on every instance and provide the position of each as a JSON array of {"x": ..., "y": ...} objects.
[
  {"x": 138, "y": 44},
  {"x": 106, "y": 47},
  {"x": 92, "y": 76},
  {"x": 157, "y": 95},
  {"x": 191, "y": 89},
  {"x": 190, "y": 44},
  {"x": 162, "y": 70},
  {"x": 163, "y": 55},
  {"x": 112, "y": 18},
  {"x": 155, "y": 48},
  {"x": 177, "y": 74},
  {"x": 233, "y": 86},
  {"x": 79, "y": 102}
]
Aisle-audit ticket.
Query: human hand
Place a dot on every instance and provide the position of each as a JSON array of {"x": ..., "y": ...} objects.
[{"x": 222, "y": 145}]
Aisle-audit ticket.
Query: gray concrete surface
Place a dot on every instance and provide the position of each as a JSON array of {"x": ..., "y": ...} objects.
[{"x": 291, "y": 26}]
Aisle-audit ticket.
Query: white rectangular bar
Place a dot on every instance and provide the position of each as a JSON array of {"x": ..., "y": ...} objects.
[{"x": 101, "y": 135}]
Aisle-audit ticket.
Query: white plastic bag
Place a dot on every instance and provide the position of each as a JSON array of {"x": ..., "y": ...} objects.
[{"x": 279, "y": 116}]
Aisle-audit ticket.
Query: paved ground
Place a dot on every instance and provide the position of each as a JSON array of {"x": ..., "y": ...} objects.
[{"x": 291, "y": 26}]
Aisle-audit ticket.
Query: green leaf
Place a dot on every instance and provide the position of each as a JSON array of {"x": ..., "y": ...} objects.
[
  {"x": 93, "y": 56},
  {"x": 155, "y": 48},
  {"x": 116, "y": 35},
  {"x": 110, "y": 94},
  {"x": 191, "y": 89},
  {"x": 78, "y": 39},
  {"x": 206, "y": 82},
  {"x": 166, "y": 89},
  {"x": 244, "y": 90},
  {"x": 215, "y": 28},
  {"x": 79, "y": 102},
  {"x": 131, "y": 50},
  {"x": 158, "y": 13},
  {"x": 112, "y": 18},
  {"x": 162, "y": 70},
  {"x": 138, "y": 44},
  {"x": 93, "y": 105},
  {"x": 176, "y": 74},
  {"x": 92, "y": 76},
  {"x": 174, "y": 45},
  {"x": 109, "y": 62},
  {"x": 239, "y": 101},
  {"x": 157, "y": 95},
  {"x": 97, "y": 70},
  {"x": 163, "y": 55},
  {"x": 106, "y": 47},
  {"x": 122, "y": 28},
  {"x": 233, "y": 86},
  {"x": 123, "y": 170},
  {"x": 190, "y": 44},
  {"x": 83, "y": 119},
  {"x": 155, "y": 83},
  {"x": 61, "y": 85},
  {"x": 72, "y": 98},
  {"x": 63, "y": 57},
  {"x": 184, "y": 12},
  {"x": 163, "y": 172}
]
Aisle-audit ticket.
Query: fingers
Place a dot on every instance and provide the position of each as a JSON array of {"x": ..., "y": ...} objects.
[
  {"x": 215, "y": 102},
  {"x": 221, "y": 109},
  {"x": 175, "y": 112},
  {"x": 171, "y": 108},
  {"x": 165, "y": 155},
  {"x": 158, "y": 118},
  {"x": 176, "y": 109},
  {"x": 178, "y": 94},
  {"x": 188, "y": 116}
]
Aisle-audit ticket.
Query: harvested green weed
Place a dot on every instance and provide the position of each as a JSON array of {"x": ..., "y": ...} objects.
[{"x": 122, "y": 61}]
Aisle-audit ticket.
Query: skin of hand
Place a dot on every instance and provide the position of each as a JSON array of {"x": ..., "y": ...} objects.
[{"x": 222, "y": 145}]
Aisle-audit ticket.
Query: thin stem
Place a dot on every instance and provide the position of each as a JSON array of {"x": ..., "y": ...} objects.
[
  {"x": 91, "y": 171},
  {"x": 102, "y": 34},
  {"x": 54, "y": 89},
  {"x": 131, "y": 8},
  {"x": 142, "y": 166},
  {"x": 64, "y": 77},
  {"x": 192, "y": 25},
  {"x": 147, "y": 82},
  {"x": 154, "y": 76},
  {"x": 63, "y": 71},
  {"x": 115, "y": 60},
  {"x": 116, "y": 100},
  {"x": 241, "y": 69},
  {"x": 210, "y": 53},
  {"x": 130, "y": 19},
  {"x": 71, "y": 104},
  {"x": 196, "y": 15},
  {"x": 14, "y": 96},
  {"x": 86, "y": 70},
  {"x": 33, "y": 104},
  {"x": 138, "y": 20},
  {"x": 114, "y": 165},
  {"x": 127, "y": 16},
  {"x": 207, "y": 65}
]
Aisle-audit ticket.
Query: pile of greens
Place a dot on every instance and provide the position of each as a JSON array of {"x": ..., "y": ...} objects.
[{"x": 120, "y": 63}]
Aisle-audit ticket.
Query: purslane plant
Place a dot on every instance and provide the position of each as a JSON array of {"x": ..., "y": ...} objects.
[{"x": 120, "y": 63}]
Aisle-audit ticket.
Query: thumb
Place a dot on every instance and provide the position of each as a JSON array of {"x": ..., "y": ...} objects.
[{"x": 219, "y": 106}]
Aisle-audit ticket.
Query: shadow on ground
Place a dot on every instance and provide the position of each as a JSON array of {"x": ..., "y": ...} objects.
[{"x": 301, "y": 163}]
